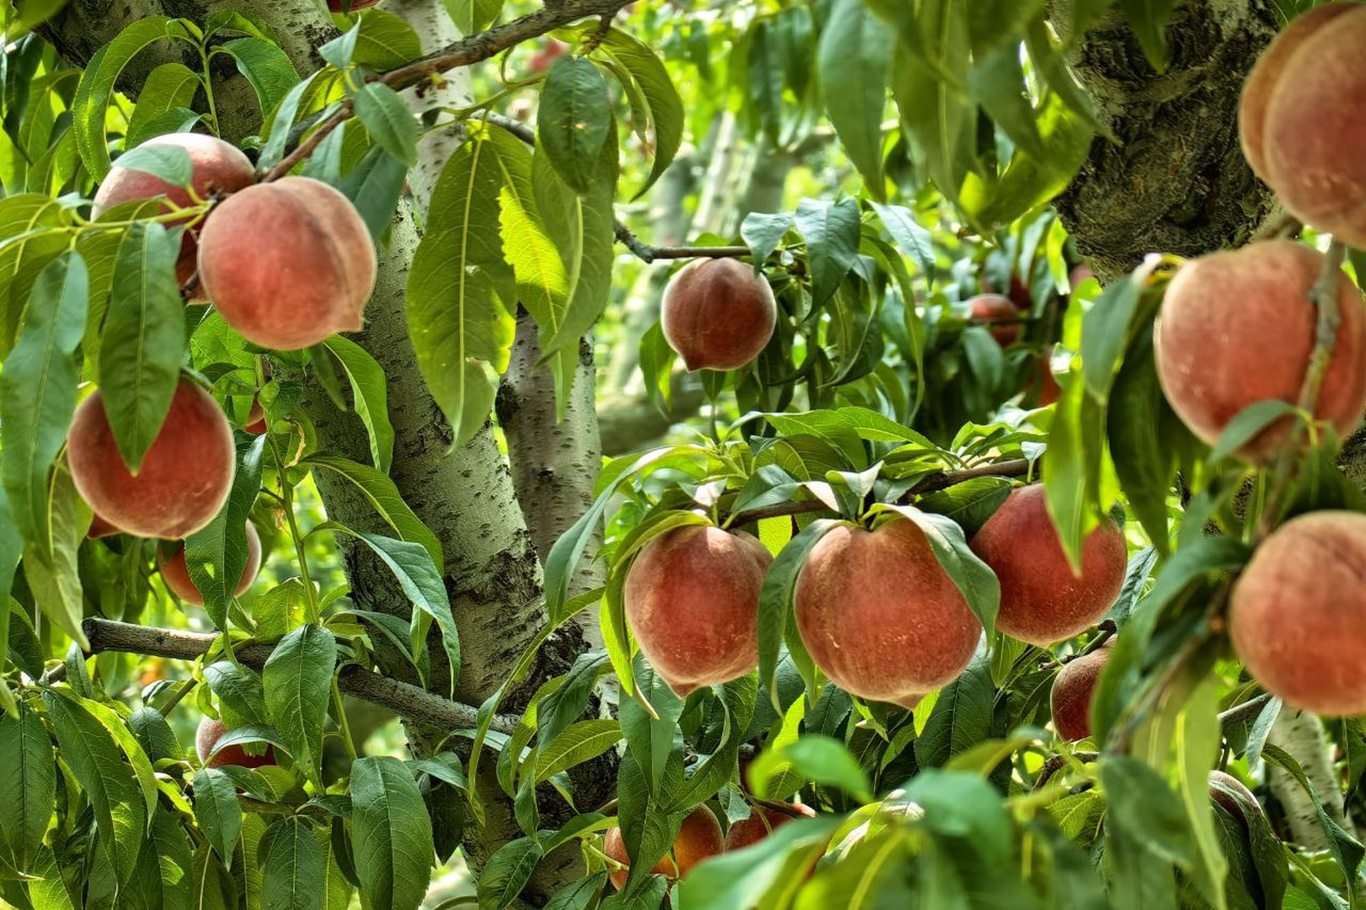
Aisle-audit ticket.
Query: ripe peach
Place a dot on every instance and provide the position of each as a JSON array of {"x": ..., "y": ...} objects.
[
  {"x": 879, "y": 614},
  {"x": 256, "y": 420},
  {"x": 100, "y": 528},
  {"x": 1237, "y": 327},
  {"x": 1297, "y": 615},
  {"x": 176, "y": 574},
  {"x": 1265, "y": 76},
  {"x": 994, "y": 308},
  {"x": 1043, "y": 385},
  {"x": 692, "y": 597},
  {"x": 1072, "y": 691},
  {"x": 547, "y": 54},
  {"x": 185, "y": 476},
  {"x": 1080, "y": 272},
  {"x": 718, "y": 314},
  {"x": 1302, "y": 122},
  {"x": 216, "y": 167},
  {"x": 287, "y": 263},
  {"x": 1042, "y": 602},
  {"x": 699, "y": 838},
  {"x": 207, "y": 736},
  {"x": 762, "y": 821}
]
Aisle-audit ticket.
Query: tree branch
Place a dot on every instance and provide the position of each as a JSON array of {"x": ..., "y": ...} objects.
[
  {"x": 403, "y": 699},
  {"x": 465, "y": 52}
]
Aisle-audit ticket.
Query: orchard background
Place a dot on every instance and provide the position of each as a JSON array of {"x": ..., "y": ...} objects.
[{"x": 409, "y": 353}]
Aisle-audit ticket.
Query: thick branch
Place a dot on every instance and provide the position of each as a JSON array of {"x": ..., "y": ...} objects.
[{"x": 403, "y": 699}]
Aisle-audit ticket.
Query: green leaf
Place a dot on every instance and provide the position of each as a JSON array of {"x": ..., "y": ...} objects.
[
  {"x": 53, "y": 577},
  {"x": 388, "y": 121},
  {"x": 170, "y": 163},
  {"x": 385, "y": 41},
  {"x": 1145, "y": 462},
  {"x": 384, "y": 498},
  {"x": 970, "y": 574},
  {"x": 281, "y": 122},
  {"x": 650, "y": 739},
  {"x": 217, "y": 811},
  {"x": 1149, "y": 19},
  {"x": 97, "y": 764},
  {"x": 154, "y": 734},
  {"x": 993, "y": 23},
  {"x": 169, "y": 87},
  {"x": 175, "y": 861},
  {"x": 507, "y": 873},
  {"x": 144, "y": 339},
  {"x": 216, "y": 555},
  {"x": 420, "y": 581},
  {"x": 239, "y": 690},
  {"x": 1105, "y": 334},
  {"x": 27, "y": 221},
  {"x": 909, "y": 236},
  {"x": 1144, "y": 806},
  {"x": 827, "y": 762},
  {"x": 27, "y": 788},
  {"x": 664, "y": 107},
  {"x": 961, "y": 717},
  {"x": 855, "y": 58},
  {"x": 38, "y": 392},
  {"x": 737, "y": 880},
  {"x": 292, "y": 868},
  {"x": 583, "y": 741},
  {"x": 370, "y": 394},
  {"x": 297, "y": 680},
  {"x": 95, "y": 92},
  {"x": 1196, "y": 746},
  {"x": 831, "y": 230},
  {"x": 132, "y": 749},
  {"x": 574, "y": 119},
  {"x": 775, "y": 602},
  {"x": 1246, "y": 425},
  {"x": 763, "y": 231},
  {"x": 266, "y": 67},
  {"x": 460, "y": 332},
  {"x": 997, "y": 82},
  {"x": 391, "y": 833}
]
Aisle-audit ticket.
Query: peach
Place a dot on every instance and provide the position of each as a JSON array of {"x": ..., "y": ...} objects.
[
  {"x": 100, "y": 528},
  {"x": 1232, "y": 795},
  {"x": 994, "y": 308},
  {"x": 762, "y": 821},
  {"x": 879, "y": 614},
  {"x": 216, "y": 167},
  {"x": 176, "y": 574},
  {"x": 210, "y": 731},
  {"x": 1072, "y": 691},
  {"x": 1297, "y": 615},
  {"x": 1042, "y": 601},
  {"x": 1265, "y": 76},
  {"x": 256, "y": 420},
  {"x": 692, "y": 598},
  {"x": 699, "y": 838},
  {"x": 1043, "y": 384},
  {"x": 185, "y": 476},
  {"x": 1304, "y": 120},
  {"x": 1238, "y": 327},
  {"x": 718, "y": 314},
  {"x": 288, "y": 263}
]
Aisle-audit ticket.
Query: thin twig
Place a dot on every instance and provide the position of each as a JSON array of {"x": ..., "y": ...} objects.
[{"x": 402, "y": 698}]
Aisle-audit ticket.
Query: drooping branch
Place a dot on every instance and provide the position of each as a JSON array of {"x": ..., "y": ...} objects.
[
  {"x": 465, "y": 52},
  {"x": 408, "y": 701}
]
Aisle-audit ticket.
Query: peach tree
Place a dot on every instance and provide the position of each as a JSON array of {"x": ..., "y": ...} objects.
[{"x": 768, "y": 455}]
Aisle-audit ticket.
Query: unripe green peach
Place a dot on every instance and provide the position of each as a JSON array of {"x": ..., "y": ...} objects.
[
  {"x": 176, "y": 573},
  {"x": 216, "y": 167},
  {"x": 185, "y": 476},
  {"x": 1297, "y": 615},
  {"x": 880, "y": 616},
  {"x": 1042, "y": 601},
  {"x": 1072, "y": 692},
  {"x": 692, "y": 598},
  {"x": 717, "y": 314},
  {"x": 288, "y": 263},
  {"x": 1237, "y": 327}
]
